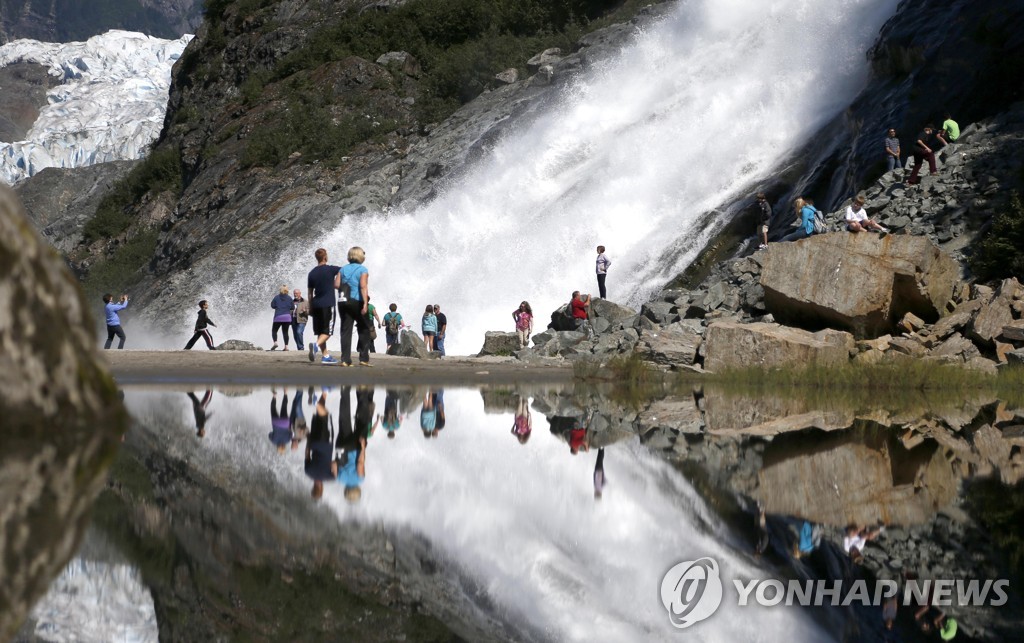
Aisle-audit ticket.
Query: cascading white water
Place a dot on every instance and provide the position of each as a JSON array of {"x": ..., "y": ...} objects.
[{"x": 699, "y": 109}]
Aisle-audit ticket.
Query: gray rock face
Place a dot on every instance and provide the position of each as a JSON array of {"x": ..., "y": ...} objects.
[
  {"x": 60, "y": 201},
  {"x": 857, "y": 281},
  {"x": 65, "y": 23},
  {"x": 674, "y": 345},
  {"x": 62, "y": 415},
  {"x": 23, "y": 88},
  {"x": 499, "y": 343},
  {"x": 411, "y": 345},
  {"x": 732, "y": 345}
]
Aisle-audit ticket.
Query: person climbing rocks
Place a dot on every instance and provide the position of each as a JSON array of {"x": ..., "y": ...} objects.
[
  {"x": 202, "y": 321},
  {"x": 523, "y": 317},
  {"x": 950, "y": 131},
  {"x": 924, "y": 150},
  {"x": 857, "y": 219},
  {"x": 892, "y": 150},
  {"x": 603, "y": 263},
  {"x": 764, "y": 212},
  {"x": 113, "y": 320},
  {"x": 300, "y": 317},
  {"x": 282, "y": 305},
  {"x": 322, "y": 284}
]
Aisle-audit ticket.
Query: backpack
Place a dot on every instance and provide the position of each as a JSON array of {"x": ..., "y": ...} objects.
[
  {"x": 391, "y": 323},
  {"x": 820, "y": 227}
]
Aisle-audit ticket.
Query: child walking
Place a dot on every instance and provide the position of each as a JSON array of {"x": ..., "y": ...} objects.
[
  {"x": 202, "y": 321},
  {"x": 429, "y": 325}
]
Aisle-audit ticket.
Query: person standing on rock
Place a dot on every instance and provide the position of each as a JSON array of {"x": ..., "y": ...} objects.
[
  {"x": 924, "y": 150},
  {"x": 950, "y": 131},
  {"x": 892, "y": 150},
  {"x": 429, "y": 327},
  {"x": 113, "y": 321},
  {"x": 300, "y": 317},
  {"x": 764, "y": 219},
  {"x": 805, "y": 209},
  {"x": 322, "y": 284},
  {"x": 354, "y": 284},
  {"x": 603, "y": 263},
  {"x": 392, "y": 326},
  {"x": 442, "y": 329},
  {"x": 523, "y": 317},
  {"x": 202, "y": 321},
  {"x": 857, "y": 219},
  {"x": 282, "y": 305}
]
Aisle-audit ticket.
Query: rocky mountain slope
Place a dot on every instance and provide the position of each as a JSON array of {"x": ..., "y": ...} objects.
[{"x": 68, "y": 20}]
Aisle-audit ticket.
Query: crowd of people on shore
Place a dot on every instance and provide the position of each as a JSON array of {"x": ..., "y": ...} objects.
[{"x": 812, "y": 221}]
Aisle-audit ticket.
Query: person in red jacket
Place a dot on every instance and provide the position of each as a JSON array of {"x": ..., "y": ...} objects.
[{"x": 580, "y": 305}]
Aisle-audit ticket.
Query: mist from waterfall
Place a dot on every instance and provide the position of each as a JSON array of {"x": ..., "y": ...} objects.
[{"x": 699, "y": 109}]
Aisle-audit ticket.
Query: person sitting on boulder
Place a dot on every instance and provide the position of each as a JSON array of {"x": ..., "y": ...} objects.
[
  {"x": 950, "y": 131},
  {"x": 580, "y": 305},
  {"x": 857, "y": 219},
  {"x": 805, "y": 210}
]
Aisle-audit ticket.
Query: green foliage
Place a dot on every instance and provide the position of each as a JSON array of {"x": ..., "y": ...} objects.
[
  {"x": 1001, "y": 253},
  {"x": 120, "y": 270},
  {"x": 160, "y": 171}
]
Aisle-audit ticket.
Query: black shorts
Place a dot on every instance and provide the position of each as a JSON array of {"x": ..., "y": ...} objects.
[
  {"x": 391, "y": 339},
  {"x": 323, "y": 320}
]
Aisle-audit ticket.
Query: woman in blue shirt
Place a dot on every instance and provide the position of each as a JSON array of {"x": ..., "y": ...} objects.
[
  {"x": 354, "y": 286},
  {"x": 806, "y": 210},
  {"x": 429, "y": 326}
]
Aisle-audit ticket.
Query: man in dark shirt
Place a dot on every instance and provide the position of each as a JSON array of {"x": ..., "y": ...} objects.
[
  {"x": 442, "y": 327},
  {"x": 924, "y": 148},
  {"x": 319, "y": 460},
  {"x": 764, "y": 218},
  {"x": 321, "y": 285}
]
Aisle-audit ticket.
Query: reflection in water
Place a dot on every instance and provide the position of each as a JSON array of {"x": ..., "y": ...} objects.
[
  {"x": 199, "y": 410},
  {"x": 522, "y": 424}
]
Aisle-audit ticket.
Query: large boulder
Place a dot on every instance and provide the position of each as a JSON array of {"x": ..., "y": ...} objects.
[
  {"x": 731, "y": 345},
  {"x": 62, "y": 415},
  {"x": 674, "y": 345},
  {"x": 561, "y": 319},
  {"x": 610, "y": 311},
  {"x": 411, "y": 345},
  {"x": 858, "y": 282},
  {"x": 238, "y": 345},
  {"x": 499, "y": 343},
  {"x": 990, "y": 319}
]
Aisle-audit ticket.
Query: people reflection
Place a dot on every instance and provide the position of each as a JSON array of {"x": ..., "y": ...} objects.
[
  {"x": 599, "y": 479},
  {"x": 439, "y": 409},
  {"x": 298, "y": 420},
  {"x": 428, "y": 416},
  {"x": 200, "y": 412},
  {"x": 522, "y": 426},
  {"x": 350, "y": 447},
  {"x": 280, "y": 423},
  {"x": 578, "y": 440},
  {"x": 391, "y": 421},
  {"x": 763, "y": 539},
  {"x": 319, "y": 460}
]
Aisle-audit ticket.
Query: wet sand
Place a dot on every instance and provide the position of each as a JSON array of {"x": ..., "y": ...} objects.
[{"x": 268, "y": 367}]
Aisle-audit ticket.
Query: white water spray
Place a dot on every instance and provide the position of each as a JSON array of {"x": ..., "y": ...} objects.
[{"x": 698, "y": 110}]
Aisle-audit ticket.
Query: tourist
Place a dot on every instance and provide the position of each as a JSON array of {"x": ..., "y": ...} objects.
[
  {"x": 393, "y": 324},
  {"x": 856, "y": 539},
  {"x": 300, "y": 317},
  {"x": 580, "y": 306},
  {"x": 280, "y": 422},
  {"x": 763, "y": 538},
  {"x": 889, "y": 608},
  {"x": 924, "y": 150},
  {"x": 113, "y": 321},
  {"x": 442, "y": 329},
  {"x": 599, "y": 478},
  {"x": 805, "y": 210},
  {"x": 350, "y": 447},
  {"x": 764, "y": 217},
  {"x": 929, "y": 618},
  {"x": 429, "y": 327},
  {"x": 857, "y": 219},
  {"x": 523, "y": 317},
  {"x": 950, "y": 131},
  {"x": 319, "y": 458},
  {"x": 522, "y": 425},
  {"x": 603, "y": 264},
  {"x": 199, "y": 411},
  {"x": 391, "y": 421},
  {"x": 322, "y": 283},
  {"x": 809, "y": 540},
  {"x": 282, "y": 305},
  {"x": 438, "y": 396},
  {"x": 297, "y": 420},
  {"x": 372, "y": 318},
  {"x": 892, "y": 150},
  {"x": 354, "y": 284},
  {"x": 578, "y": 438},
  {"x": 202, "y": 321}
]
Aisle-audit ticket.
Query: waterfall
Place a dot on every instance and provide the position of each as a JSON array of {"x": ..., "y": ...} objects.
[{"x": 697, "y": 110}]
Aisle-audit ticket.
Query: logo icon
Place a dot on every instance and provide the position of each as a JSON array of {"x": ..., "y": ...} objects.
[{"x": 691, "y": 591}]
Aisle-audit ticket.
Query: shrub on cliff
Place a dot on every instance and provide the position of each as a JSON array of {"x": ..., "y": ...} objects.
[{"x": 1001, "y": 253}]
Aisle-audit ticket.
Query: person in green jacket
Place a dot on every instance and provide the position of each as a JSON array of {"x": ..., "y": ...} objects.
[{"x": 950, "y": 130}]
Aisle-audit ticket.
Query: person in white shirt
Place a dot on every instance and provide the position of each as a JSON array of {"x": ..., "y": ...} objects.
[
  {"x": 856, "y": 539},
  {"x": 857, "y": 219}
]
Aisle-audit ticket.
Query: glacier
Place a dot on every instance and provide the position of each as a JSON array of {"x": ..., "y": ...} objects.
[{"x": 109, "y": 105}]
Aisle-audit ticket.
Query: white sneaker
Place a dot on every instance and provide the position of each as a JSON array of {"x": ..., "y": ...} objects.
[{"x": 763, "y": 246}]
